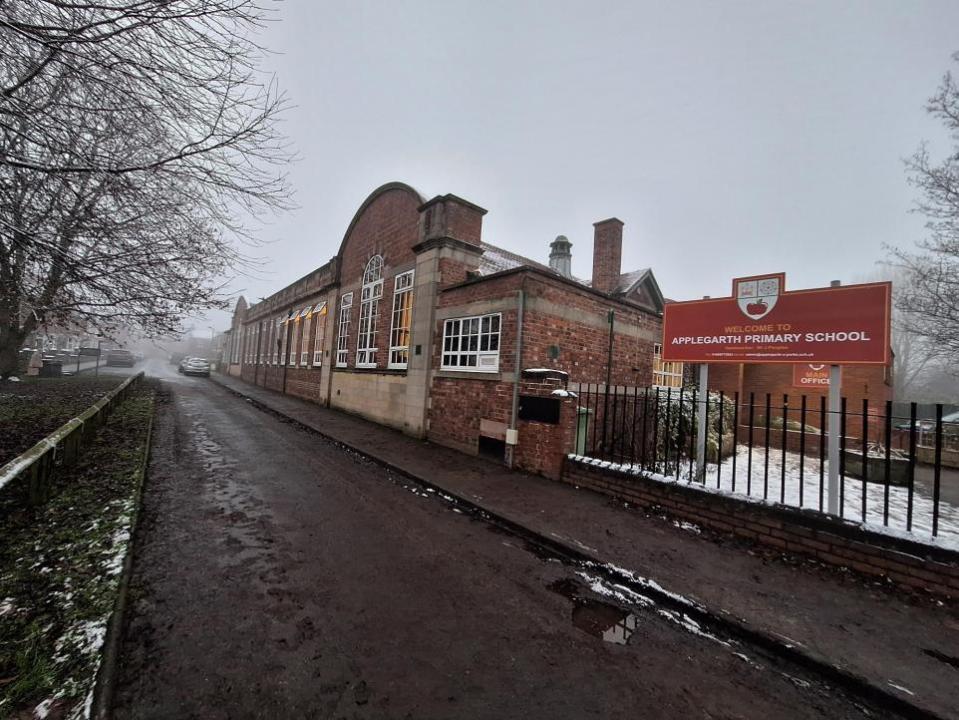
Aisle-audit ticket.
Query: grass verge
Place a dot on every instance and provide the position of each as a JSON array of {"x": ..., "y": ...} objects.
[
  {"x": 60, "y": 568},
  {"x": 32, "y": 409}
]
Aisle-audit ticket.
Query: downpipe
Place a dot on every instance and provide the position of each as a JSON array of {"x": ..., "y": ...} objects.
[{"x": 517, "y": 373}]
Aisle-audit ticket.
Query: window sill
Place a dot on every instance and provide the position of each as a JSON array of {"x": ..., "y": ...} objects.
[
  {"x": 369, "y": 370},
  {"x": 470, "y": 375}
]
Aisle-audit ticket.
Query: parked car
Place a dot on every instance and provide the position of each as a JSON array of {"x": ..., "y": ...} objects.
[
  {"x": 950, "y": 425},
  {"x": 120, "y": 358},
  {"x": 196, "y": 366}
]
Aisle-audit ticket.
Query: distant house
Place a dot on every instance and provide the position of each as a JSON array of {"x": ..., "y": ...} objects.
[{"x": 420, "y": 324}]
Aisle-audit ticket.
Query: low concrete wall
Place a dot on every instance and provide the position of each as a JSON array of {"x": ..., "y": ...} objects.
[
  {"x": 828, "y": 539},
  {"x": 38, "y": 465}
]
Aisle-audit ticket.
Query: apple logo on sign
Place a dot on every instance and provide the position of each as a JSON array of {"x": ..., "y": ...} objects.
[{"x": 757, "y": 308}]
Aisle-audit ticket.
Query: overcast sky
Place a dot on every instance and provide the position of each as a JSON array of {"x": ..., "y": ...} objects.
[{"x": 732, "y": 138}]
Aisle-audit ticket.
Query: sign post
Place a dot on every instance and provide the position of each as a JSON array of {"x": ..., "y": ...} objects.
[
  {"x": 702, "y": 419},
  {"x": 834, "y": 429}
]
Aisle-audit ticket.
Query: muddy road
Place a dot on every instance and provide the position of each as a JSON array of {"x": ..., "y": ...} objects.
[{"x": 278, "y": 576}]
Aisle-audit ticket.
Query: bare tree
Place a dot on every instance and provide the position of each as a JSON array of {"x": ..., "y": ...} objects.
[
  {"x": 916, "y": 357},
  {"x": 929, "y": 296},
  {"x": 137, "y": 139}
]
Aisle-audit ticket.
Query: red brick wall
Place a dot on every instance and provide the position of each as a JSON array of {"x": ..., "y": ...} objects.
[
  {"x": 584, "y": 346},
  {"x": 858, "y": 382},
  {"x": 827, "y": 539},
  {"x": 543, "y": 446},
  {"x": 459, "y": 404}
]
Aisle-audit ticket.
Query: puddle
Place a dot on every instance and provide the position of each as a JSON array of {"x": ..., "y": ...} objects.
[{"x": 594, "y": 617}]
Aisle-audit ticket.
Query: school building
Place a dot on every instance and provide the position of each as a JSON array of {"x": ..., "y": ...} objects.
[{"x": 420, "y": 324}]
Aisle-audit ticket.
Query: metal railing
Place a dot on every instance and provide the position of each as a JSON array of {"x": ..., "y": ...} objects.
[{"x": 894, "y": 471}]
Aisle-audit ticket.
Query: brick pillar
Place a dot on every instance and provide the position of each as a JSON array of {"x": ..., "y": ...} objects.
[
  {"x": 451, "y": 217},
  {"x": 607, "y": 254},
  {"x": 449, "y": 242}
]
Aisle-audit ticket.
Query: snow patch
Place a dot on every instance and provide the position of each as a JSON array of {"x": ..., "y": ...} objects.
[
  {"x": 564, "y": 393},
  {"x": 900, "y": 687},
  {"x": 691, "y": 527},
  {"x": 543, "y": 371},
  {"x": 769, "y": 490}
]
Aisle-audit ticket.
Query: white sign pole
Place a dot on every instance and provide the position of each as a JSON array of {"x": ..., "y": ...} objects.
[
  {"x": 834, "y": 427},
  {"x": 702, "y": 419}
]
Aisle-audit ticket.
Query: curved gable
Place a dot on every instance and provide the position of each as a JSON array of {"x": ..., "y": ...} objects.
[{"x": 387, "y": 224}]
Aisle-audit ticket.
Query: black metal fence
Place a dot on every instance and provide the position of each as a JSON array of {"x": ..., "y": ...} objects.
[{"x": 900, "y": 471}]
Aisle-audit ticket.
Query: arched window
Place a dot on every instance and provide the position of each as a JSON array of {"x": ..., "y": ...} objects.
[{"x": 369, "y": 310}]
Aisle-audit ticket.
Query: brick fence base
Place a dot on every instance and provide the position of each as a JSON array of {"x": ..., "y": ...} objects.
[{"x": 826, "y": 538}]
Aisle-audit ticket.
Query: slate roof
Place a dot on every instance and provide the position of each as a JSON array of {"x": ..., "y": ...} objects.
[{"x": 496, "y": 259}]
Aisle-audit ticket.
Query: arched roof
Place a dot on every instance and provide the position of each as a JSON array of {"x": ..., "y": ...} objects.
[{"x": 381, "y": 190}]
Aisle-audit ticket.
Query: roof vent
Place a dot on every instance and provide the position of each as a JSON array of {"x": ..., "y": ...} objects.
[{"x": 560, "y": 256}]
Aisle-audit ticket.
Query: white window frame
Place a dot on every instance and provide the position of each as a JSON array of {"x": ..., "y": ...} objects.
[
  {"x": 343, "y": 334},
  {"x": 455, "y": 339},
  {"x": 278, "y": 329},
  {"x": 305, "y": 317},
  {"x": 294, "y": 342},
  {"x": 319, "y": 332},
  {"x": 402, "y": 309},
  {"x": 284, "y": 336},
  {"x": 666, "y": 374},
  {"x": 370, "y": 296}
]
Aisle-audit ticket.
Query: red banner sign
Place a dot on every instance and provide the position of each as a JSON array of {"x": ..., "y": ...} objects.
[
  {"x": 812, "y": 376},
  {"x": 761, "y": 323}
]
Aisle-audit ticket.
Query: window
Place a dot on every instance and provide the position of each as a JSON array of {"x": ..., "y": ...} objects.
[
  {"x": 369, "y": 310},
  {"x": 666, "y": 374},
  {"x": 402, "y": 320},
  {"x": 304, "y": 322},
  {"x": 295, "y": 329},
  {"x": 472, "y": 344},
  {"x": 319, "y": 332},
  {"x": 284, "y": 330},
  {"x": 278, "y": 330},
  {"x": 268, "y": 329},
  {"x": 342, "y": 339}
]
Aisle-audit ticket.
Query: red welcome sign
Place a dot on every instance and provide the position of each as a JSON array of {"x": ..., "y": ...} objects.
[{"x": 762, "y": 323}]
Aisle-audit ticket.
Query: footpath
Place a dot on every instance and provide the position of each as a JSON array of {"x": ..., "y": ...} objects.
[{"x": 900, "y": 642}]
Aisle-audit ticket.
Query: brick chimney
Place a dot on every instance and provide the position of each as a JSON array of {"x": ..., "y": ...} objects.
[{"x": 607, "y": 254}]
